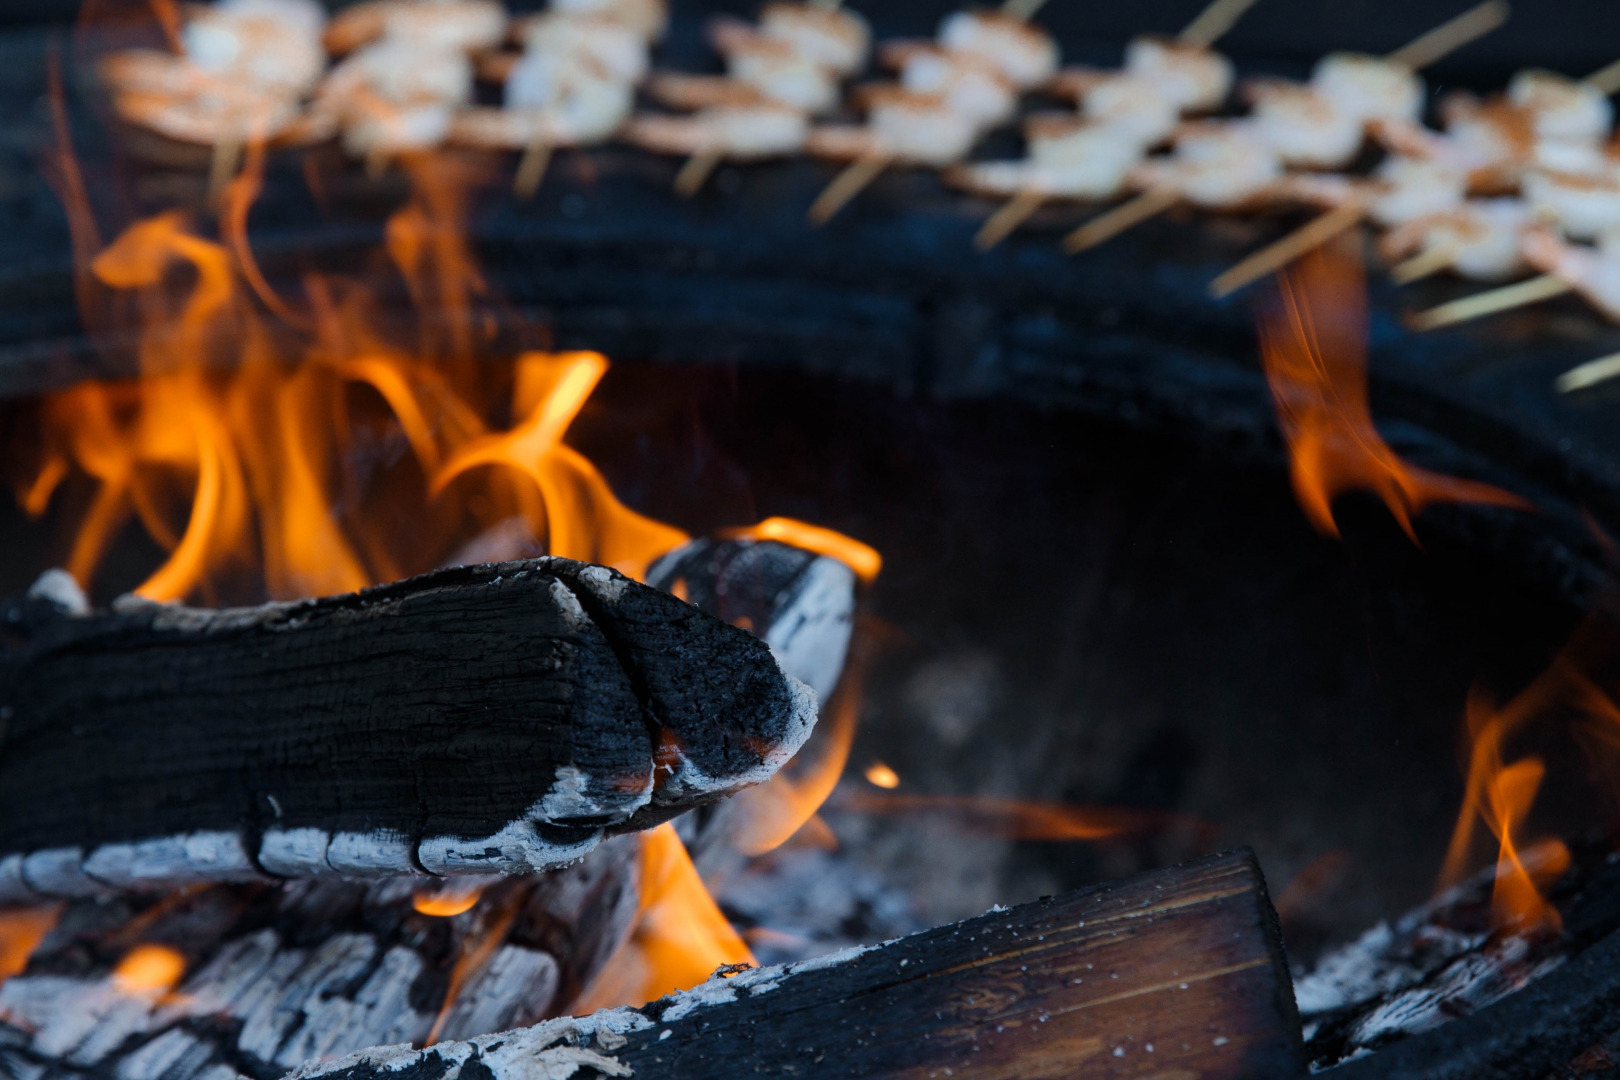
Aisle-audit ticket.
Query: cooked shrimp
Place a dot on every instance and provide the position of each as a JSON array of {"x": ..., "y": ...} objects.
[
  {"x": 1404, "y": 189},
  {"x": 1191, "y": 77},
  {"x": 967, "y": 82},
  {"x": 456, "y": 25},
  {"x": 1303, "y": 125},
  {"x": 1584, "y": 207},
  {"x": 552, "y": 99},
  {"x": 902, "y": 127},
  {"x": 274, "y": 45},
  {"x": 1216, "y": 165},
  {"x": 219, "y": 114},
  {"x": 836, "y": 38},
  {"x": 1369, "y": 87},
  {"x": 741, "y": 132},
  {"x": 1025, "y": 54},
  {"x": 1593, "y": 272},
  {"x": 1069, "y": 157},
  {"x": 1480, "y": 239},
  {"x": 1560, "y": 108},
  {"x": 648, "y": 18},
  {"x": 618, "y": 50}
]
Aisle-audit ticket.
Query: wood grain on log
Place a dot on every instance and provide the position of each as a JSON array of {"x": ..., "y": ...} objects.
[
  {"x": 501, "y": 717},
  {"x": 1177, "y": 973}
]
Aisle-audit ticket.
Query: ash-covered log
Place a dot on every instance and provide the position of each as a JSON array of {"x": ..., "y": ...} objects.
[
  {"x": 1174, "y": 973},
  {"x": 502, "y": 717},
  {"x": 273, "y": 976}
]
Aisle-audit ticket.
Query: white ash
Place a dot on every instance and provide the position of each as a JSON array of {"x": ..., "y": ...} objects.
[
  {"x": 172, "y": 861},
  {"x": 810, "y": 637},
  {"x": 516, "y": 849},
  {"x": 61, "y": 589},
  {"x": 383, "y": 853}
]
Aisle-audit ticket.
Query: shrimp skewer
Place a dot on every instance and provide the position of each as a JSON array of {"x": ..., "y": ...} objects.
[
  {"x": 1370, "y": 90},
  {"x": 951, "y": 91},
  {"x": 1172, "y": 77}
]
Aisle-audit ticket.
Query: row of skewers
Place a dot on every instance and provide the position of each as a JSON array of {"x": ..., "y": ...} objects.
[{"x": 1524, "y": 182}]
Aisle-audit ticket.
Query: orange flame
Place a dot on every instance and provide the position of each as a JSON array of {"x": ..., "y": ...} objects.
[
  {"x": 448, "y": 899},
  {"x": 681, "y": 936},
  {"x": 21, "y": 931},
  {"x": 1500, "y": 795},
  {"x": 859, "y": 557},
  {"x": 149, "y": 971},
  {"x": 1015, "y": 819},
  {"x": 234, "y": 450},
  {"x": 1314, "y": 351}
]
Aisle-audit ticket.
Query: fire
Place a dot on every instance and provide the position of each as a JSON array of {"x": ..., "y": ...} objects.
[
  {"x": 681, "y": 936},
  {"x": 1315, "y": 355},
  {"x": 448, "y": 899},
  {"x": 149, "y": 971},
  {"x": 859, "y": 557},
  {"x": 1015, "y": 819},
  {"x": 236, "y": 450},
  {"x": 21, "y": 931}
]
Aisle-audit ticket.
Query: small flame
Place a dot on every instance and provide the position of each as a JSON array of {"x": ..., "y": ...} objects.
[
  {"x": 450, "y": 898},
  {"x": 859, "y": 557},
  {"x": 474, "y": 951},
  {"x": 149, "y": 971},
  {"x": 681, "y": 937},
  {"x": 1500, "y": 795},
  {"x": 880, "y": 775},
  {"x": 1314, "y": 351},
  {"x": 21, "y": 931},
  {"x": 1015, "y": 819}
]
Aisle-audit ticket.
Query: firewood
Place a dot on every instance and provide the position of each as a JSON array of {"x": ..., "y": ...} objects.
[
  {"x": 501, "y": 717},
  {"x": 1174, "y": 973},
  {"x": 799, "y": 603},
  {"x": 278, "y": 975}
]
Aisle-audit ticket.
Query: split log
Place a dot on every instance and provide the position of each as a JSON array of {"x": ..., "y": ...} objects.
[
  {"x": 278, "y": 975},
  {"x": 799, "y": 603},
  {"x": 1174, "y": 973},
  {"x": 502, "y": 717}
]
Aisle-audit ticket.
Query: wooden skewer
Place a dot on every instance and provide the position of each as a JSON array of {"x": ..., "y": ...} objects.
[
  {"x": 1011, "y": 214},
  {"x": 689, "y": 181},
  {"x": 1275, "y": 256},
  {"x": 1108, "y": 225},
  {"x": 846, "y": 185},
  {"x": 1022, "y": 10},
  {"x": 1212, "y": 23},
  {"x": 222, "y": 166},
  {"x": 1588, "y": 374},
  {"x": 531, "y": 169},
  {"x": 1422, "y": 265},
  {"x": 377, "y": 159},
  {"x": 1451, "y": 35},
  {"x": 1490, "y": 302},
  {"x": 1606, "y": 78}
]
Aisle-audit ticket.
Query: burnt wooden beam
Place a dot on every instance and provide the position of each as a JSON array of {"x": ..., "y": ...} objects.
[
  {"x": 1174, "y": 973},
  {"x": 501, "y": 717}
]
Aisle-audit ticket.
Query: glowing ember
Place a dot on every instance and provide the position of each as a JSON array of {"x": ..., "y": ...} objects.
[
  {"x": 880, "y": 775},
  {"x": 21, "y": 931},
  {"x": 149, "y": 971},
  {"x": 1315, "y": 357},
  {"x": 450, "y": 898}
]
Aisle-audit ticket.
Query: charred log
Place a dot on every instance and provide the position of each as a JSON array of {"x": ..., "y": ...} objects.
[
  {"x": 490, "y": 718},
  {"x": 277, "y": 975},
  {"x": 799, "y": 603},
  {"x": 1178, "y": 972}
]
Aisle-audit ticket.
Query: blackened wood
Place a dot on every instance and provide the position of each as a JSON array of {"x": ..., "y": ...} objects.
[
  {"x": 277, "y": 975},
  {"x": 1174, "y": 973},
  {"x": 496, "y": 717},
  {"x": 799, "y": 603}
]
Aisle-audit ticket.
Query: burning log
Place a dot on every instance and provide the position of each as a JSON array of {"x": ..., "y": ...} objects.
[
  {"x": 1177, "y": 972},
  {"x": 260, "y": 979},
  {"x": 501, "y": 717}
]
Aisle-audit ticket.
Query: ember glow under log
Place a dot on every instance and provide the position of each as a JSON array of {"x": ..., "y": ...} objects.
[
  {"x": 1177, "y": 973},
  {"x": 501, "y": 717}
]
